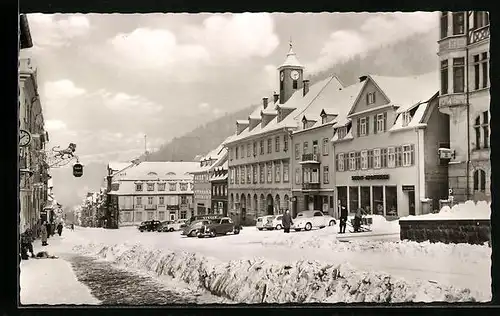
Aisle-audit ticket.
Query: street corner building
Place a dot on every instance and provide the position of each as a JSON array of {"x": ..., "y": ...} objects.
[
  {"x": 207, "y": 177},
  {"x": 464, "y": 60},
  {"x": 152, "y": 191}
]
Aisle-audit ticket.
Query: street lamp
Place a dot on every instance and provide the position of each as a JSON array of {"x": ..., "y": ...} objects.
[{"x": 112, "y": 205}]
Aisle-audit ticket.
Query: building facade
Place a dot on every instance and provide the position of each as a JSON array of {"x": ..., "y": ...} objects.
[
  {"x": 464, "y": 59},
  {"x": 260, "y": 150},
  {"x": 219, "y": 189},
  {"x": 154, "y": 191},
  {"x": 386, "y": 152},
  {"x": 201, "y": 179}
]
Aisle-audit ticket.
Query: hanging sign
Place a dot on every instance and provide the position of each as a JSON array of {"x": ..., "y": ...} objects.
[{"x": 77, "y": 170}]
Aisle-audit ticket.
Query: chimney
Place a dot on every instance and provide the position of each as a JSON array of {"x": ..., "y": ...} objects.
[
  {"x": 264, "y": 102},
  {"x": 276, "y": 97},
  {"x": 362, "y": 78},
  {"x": 306, "y": 87}
]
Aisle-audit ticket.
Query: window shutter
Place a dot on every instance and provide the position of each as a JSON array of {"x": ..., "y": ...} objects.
[
  {"x": 375, "y": 124},
  {"x": 367, "y": 125},
  {"x": 476, "y": 180},
  {"x": 385, "y": 121},
  {"x": 367, "y": 100},
  {"x": 337, "y": 162},
  {"x": 374, "y": 94},
  {"x": 483, "y": 180},
  {"x": 346, "y": 161},
  {"x": 412, "y": 155},
  {"x": 357, "y": 127}
]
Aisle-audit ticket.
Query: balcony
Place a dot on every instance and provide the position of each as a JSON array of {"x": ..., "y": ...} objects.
[
  {"x": 311, "y": 186},
  {"x": 452, "y": 100},
  {"x": 479, "y": 34},
  {"x": 310, "y": 158},
  {"x": 452, "y": 43},
  {"x": 150, "y": 207}
]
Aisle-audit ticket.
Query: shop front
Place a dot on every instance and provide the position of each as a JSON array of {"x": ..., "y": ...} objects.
[{"x": 313, "y": 200}]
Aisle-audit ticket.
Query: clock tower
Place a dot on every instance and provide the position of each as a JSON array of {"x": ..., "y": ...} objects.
[{"x": 291, "y": 75}]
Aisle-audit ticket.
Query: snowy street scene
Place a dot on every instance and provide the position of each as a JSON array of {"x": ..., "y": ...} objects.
[{"x": 254, "y": 158}]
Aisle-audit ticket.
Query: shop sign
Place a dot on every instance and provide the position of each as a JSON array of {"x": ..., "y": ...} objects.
[
  {"x": 172, "y": 207},
  {"x": 408, "y": 188},
  {"x": 371, "y": 177}
]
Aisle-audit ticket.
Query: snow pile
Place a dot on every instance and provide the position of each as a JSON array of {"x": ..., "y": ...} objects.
[
  {"x": 381, "y": 225},
  {"x": 467, "y": 210},
  {"x": 264, "y": 281}
]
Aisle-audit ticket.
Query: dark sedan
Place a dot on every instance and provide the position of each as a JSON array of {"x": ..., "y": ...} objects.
[
  {"x": 149, "y": 226},
  {"x": 218, "y": 227}
]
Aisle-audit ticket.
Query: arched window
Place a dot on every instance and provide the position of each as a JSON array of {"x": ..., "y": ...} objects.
[
  {"x": 152, "y": 174},
  {"x": 482, "y": 130},
  {"x": 479, "y": 180}
]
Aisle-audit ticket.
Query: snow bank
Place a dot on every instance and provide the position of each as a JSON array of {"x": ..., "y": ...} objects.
[
  {"x": 264, "y": 281},
  {"x": 467, "y": 210}
]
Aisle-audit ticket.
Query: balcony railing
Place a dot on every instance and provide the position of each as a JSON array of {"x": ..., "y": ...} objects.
[
  {"x": 452, "y": 43},
  {"x": 450, "y": 100},
  {"x": 310, "y": 157},
  {"x": 150, "y": 207},
  {"x": 479, "y": 34},
  {"x": 311, "y": 186}
]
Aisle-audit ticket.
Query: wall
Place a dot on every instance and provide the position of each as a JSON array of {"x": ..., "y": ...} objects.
[
  {"x": 369, "y": 88},
  {"x": 446, "y": 231}
]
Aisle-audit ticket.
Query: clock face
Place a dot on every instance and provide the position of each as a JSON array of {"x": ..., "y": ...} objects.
[
  {"x": 294, "y": 75},
  {"x": 24, "y": 138},
  {"x": 282, "y": 76}
]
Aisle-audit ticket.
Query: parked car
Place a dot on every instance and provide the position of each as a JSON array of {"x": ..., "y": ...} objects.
[
  {"x": 269, "y": 222},
  {"x": 163, "y": 226},
  {"x": 200, "y": 217},
  {"x": 312, "y": 219},
  {"x": 176, "y": 225},
  {"x": 218, "y": 227},
  {"x": 192, "y": 230},
  {"x": 149, "y": 226}
]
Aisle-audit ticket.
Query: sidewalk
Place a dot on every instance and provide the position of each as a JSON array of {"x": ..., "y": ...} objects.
[{"x": 52, "y": 281}]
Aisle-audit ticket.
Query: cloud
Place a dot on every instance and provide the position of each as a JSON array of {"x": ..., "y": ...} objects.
[
  {"x": 271, "y": 76},
  {"x": 62, "y": 89},
  {"x": 204, "y": 105},
  {"x": 377, "y": 30},
  {"x": 123, "y": 103},
  {"x": 55, "y": 125},
  {"x": 53, "y": 30}
]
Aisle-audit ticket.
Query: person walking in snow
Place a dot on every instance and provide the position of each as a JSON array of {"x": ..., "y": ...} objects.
[
  {"x": 26, "y": 244},
  {"x": 45, "y": 234},
  {"x": 343, "y": 218},
  {"x": 286, "y": 221},
  {"x": 59, "y": 228},
  {"x": 357, "y": 219},
  {"x": 72, "y": 227}
]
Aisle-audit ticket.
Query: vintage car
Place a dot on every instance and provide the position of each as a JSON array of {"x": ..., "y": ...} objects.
[
  {"x": 218, "y": 227},
  {"x": 192, "y": 230},
  {"x": 149, "y": 226},
  {"x": 269, "y": 222},
  {"x": 176, "y": 225},
  {"x": 163, "y": 226},
  {"x": 312, "y": 219}
]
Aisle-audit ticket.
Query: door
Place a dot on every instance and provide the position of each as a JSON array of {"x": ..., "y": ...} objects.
[
  {"x": 172, "y": 217},
  {"x": 411, "y": 202},
  {"x": 224, "y": 227}
]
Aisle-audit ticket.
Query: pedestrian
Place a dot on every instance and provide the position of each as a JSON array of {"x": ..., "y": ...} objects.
[
  {"x": 357, "y": 219},
  {"x": 286, "y": 221},
  {"x": 26, "y": 244},
  {"x": 52, "y": 228},
  {"x": 47, "y": 227},
  {"x": 59, "y": 228},
  {"x": 343, "y": 219},
  {"x": 72, "y": 227},
  {"x": 45, "y": 234}
]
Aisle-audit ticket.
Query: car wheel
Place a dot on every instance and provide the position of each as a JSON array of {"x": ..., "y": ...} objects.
[
  {"x": 332, "y": 222},
  {"x": 297, "y": 229},
  {"x": 278, "y": 227},
  {"x": 212, "y": 234},
  {"x": 170, "y": 229},
  {"x": 141, "y": 230},
  {"x": 236, "y": 231},
  {"x": 200, "y": 236},
  {"x": 259, "y": 228},
  {"x": 308, "y": 226},
  {"x": 192, "y": 233}
]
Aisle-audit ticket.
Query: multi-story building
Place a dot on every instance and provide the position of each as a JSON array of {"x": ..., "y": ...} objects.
[
  {"x": 202, "y": 175},
  {"x": 387, "y": 147},
  {"x": 153, "y": 190},
  {"x": 260, "y": 152},
  {"x": 312, "y": 163},
  {"x": 33, "y": 169},
  {"x": 219, "y": 189},
  {"x": 464, "y": 59}
]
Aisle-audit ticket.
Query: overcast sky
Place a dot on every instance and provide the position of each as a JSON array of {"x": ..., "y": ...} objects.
[{"x": 106, "y": 80}]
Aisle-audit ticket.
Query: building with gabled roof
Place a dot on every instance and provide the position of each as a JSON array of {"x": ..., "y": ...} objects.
[
  {"x": 218, "y": 181},
  {"x": 259, "y": 151},
  {"x": 386, "y": 149}
]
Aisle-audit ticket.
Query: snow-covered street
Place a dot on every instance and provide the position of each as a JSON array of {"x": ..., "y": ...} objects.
[{"x": 312, "y": 265}]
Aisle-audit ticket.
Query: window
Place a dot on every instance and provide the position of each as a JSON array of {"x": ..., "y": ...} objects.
[
  {"x": 255, "y": 149},
  {"x": 231, "y": 154},
  {"x": 237, "y": 152},
  {"x": 444, "y": 76},
  {"x": 277, "y": 141},
  {"x": 183, "y": 199},
  {"x": 479, "y": 180},
  {"x": 183, "y": 214},
  {"x": 340, "y": 162},
  {"x": 150, "y": 216},
  {"x": 391, "y": 200},
  {"x": 249, "y": 174},
  {"x": 477, "y": 75},
  {"x": 262, "y": 173},
  {"x": 342, "y": 131},
  {"x": 151, "y": 186},
  {"x": 358, "y": 160},
  {"x": 172, "y": 186},
  {"x": 161, "y": 186},
  {"x": 231, "y": 175},
  {"x": 376, "y": 158},
  {"x": 297, "y": 176},
  {"x": 297, "y": 152},
  {"x": 370, "y": 98},
  {"x": 242, "y": 151},
  {"x": 381, "y": 122},
  {"x": 352, "y": 161},
  {"x": 161, "y": 200},
  {"x": 481, "y": 18},
  {"x": 444, "y": 24},
  {"x": 484, "y": 66},
  {"x": 254, "y": 173},
  {"x": 326, "y": 175},
  {"x": 406, "y": 118},
  {"x": 306, "y": 148},
  {"x": 370, "y": 159},
  {"x": 269, "y": 172},
  {"x": 481, "y": 128},
  {"x": 286, "y": 168},
  {"x": 399, "y": 156},
  {"x": 325, "y": 146},
  {"x": 285, "y": 143},
  {"x": 408, "y": 155},
  {"x": 184, "y": 186},
  {"x": 391, "y": 157},
  {"x": 277, "y": 171},
  {"x": 236, "y": 175},
  {"x": 458, "y": 23},
  {"x": 262, "y": 147},
  {"x": 315, "y": 176},
  {"x": 315, "y": 147},
  {"x": 248, "y": 150},
  {"x": 383, "y": 158},
  {"x": 242, "y": 173},
  {"x": 364, "y": 160},
  {"x": 161, "y": 216},
  {"x": 269, "y": 145},
  {"x": 138, "y": 200},
  {"x": 138, "y": 216},
  {"x": 150, "y": 200},
  {"x": 362, "y": 126},
  {"x": 294, "y": 83},
  {"x": 458, "y": 74},
  {"x": 138, "y": 186}
]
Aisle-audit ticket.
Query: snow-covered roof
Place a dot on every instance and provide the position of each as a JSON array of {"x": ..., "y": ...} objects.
[
  {"x": 162, "y": 170},
  {"x": 219, "y": 154},
  {"x": 242, "y": 122},
  {"x": 416, "y": 119},
  {"x": 291, "y": 59}
]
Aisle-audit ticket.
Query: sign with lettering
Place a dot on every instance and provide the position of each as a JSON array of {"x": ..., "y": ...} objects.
[
  {"x": 408, "y": 188},
  {"x": 172, "y": 207},
  {"x": 371, "y": 177},
  {"x": 77, "y": 170}
]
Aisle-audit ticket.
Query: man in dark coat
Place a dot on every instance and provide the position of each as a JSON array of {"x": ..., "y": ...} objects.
[
  {"x": 59, "y": 228},
  {"x": 286, "y": 220},
  {"x": 48, "y": 228},
  {"x": 357, "y": 219},
  {"x": 26, "y": 244},
  {"x": 343, "y": 218}
]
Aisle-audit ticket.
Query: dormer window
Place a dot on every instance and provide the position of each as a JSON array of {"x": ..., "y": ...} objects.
[
  {"x": 341, "y": 131},
  {"x": 324, "y": 119},
  {"x": 370, "y": 98},
  {"x": 406, "y": 118},
  {"x": 138, "y": 187},
  {"x": 151, "y": 186}
]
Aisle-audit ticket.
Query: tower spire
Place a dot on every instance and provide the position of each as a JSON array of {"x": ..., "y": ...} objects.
[{"x": 290, "y": 43}]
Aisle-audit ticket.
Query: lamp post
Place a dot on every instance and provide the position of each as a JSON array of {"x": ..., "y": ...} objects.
[{"x": 111, "y": 204}]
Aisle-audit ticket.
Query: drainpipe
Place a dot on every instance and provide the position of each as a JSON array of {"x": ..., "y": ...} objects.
[{"x": 467, "y": 99}]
